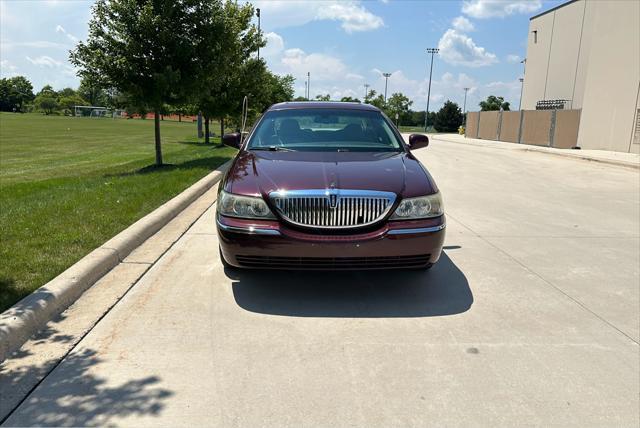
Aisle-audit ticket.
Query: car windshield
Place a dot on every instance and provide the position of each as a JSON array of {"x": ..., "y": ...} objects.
[{"x": 324, "y": 130}]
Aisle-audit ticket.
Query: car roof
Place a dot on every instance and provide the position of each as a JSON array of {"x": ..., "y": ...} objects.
[{"x": 298, "y": 105}]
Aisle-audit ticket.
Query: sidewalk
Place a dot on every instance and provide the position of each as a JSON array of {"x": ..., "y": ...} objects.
[{"x": 630, "y": 160}]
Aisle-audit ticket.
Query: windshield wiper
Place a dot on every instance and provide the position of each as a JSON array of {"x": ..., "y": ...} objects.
[{"x": 272, "y": 149}]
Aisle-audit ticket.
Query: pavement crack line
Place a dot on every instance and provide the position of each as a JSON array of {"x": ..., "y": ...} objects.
[
  {"x": 546, "y": 281},
  {"x": 109, "y": 309}
]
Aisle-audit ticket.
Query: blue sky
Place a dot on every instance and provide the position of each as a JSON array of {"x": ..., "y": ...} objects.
[{"x": 343, "y": 44}]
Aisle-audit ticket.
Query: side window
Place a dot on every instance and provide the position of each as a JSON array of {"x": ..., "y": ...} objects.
[{"x": 535, "y": 36}]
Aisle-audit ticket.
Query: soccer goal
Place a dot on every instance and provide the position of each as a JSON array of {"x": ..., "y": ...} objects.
[{"x": 98, "y": 111}]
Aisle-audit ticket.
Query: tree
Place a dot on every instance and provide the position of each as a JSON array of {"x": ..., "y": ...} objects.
[
  {"x": 278, "y": 89},
  {"x": 156, "y": 52},
  {"x": 349, "y": 100},
  {"x": 398, "y": 104},
  {"x": 46, "y": 102},
  {"x": 300, "y": 99},
  {"x": 370, "y": 95},
  {"x": 378, "y": 101},
  {"x": 321, "y": 97},
  {"x": 15, "y": 92},
  {"x": 233, "y": 74},
  {"x": 48, "y": 90},
  {"x": 90, "y": 90},
  {"x": 448, "y": 118},
  {"x": 494, "y": 103}
]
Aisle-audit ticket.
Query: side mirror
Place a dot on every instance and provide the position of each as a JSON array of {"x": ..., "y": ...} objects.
[
  {"x": 232, "y": 140},
  {"x": 418, "y": 141}
]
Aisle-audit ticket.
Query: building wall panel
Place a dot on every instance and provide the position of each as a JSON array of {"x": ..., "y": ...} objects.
[
  {"x": 488, "y": 129},
  {"x": 471, "y": 129},
  {"x": 564, "y": 50},
  {"x": 537, "y": 60},
  {"x": 535, "y": 127},
  {"x": 510, "y": 127},
  {"x": 613, "y": 76},
  {"x": 566, "y": 129}
]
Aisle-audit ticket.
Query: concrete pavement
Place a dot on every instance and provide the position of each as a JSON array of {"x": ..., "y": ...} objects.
[{"x": 531, "y": 317}]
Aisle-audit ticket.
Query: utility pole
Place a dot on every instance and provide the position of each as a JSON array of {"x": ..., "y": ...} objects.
[
  {"x": 366, "y": 91},
  {"x": 464, "y": 108},
  {"x": 521, "y": 88},
  {"x": 386, "y": 80},
  {"x": 258, "y": 15},
  {"x": 308, "y": 85},
  {"x": 305, "y": 90},
  {"x": 426, "y": 116},
  {"x": 524, "y": 73}
]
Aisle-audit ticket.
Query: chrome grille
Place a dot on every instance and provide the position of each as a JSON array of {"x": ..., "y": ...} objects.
[{"x": 332, "y": 208}]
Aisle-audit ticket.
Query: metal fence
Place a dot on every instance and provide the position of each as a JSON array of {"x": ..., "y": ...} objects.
[{"x": 551, "y": 128}]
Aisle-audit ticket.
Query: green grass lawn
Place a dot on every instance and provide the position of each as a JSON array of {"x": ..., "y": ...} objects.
[
  {"x": 419, "y": 129},
  {"x": 69, "y": 184}
]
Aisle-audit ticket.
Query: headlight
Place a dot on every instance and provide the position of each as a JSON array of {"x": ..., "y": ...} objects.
[
  {"x": 243, "y": 206},
  {"x": 422, "y": 207}
]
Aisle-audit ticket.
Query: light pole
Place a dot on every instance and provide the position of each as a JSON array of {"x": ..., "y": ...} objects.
[
  {"x": 426, "y": 116},
  {"x": 464, "y": 105},
  {"x": 521, "y": 88},
  {"x": 305, "y": 90},
  {"x": 366, "y": 91},
  {"x": 386, "y": 80},
  {"x": 258, "y": 15},
  {"x": 464, "y": 108},
  {"x": 308, "y": 85}
]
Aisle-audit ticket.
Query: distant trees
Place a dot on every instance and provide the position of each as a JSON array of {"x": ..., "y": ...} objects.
[
  {"x": 448, "y": 118},
  {"x": 349, "y": 100},
  {"x": 15, "y": 93},
  {"x": 321, "y": 97},
  {"x": 91, "y": 91},
  {"x": 46, "y": 103},
  {"x": 494, "y": 103}
]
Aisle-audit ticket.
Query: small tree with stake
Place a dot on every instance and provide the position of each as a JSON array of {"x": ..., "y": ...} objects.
[
  {"x": 233, "y": 74},
  {"x": 155, "y": 51}
]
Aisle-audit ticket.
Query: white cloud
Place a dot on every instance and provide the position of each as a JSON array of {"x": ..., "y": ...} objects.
[
  {"x": 60, "y": 29},
  {"x": 353, "y": 76},
  {"x": 7, "y": 69},
  {"x": 459, "y": 49},
  {"x": 499, "y": 8},
  {"x": 462, "y": 24},
  {"x": 275, "y": 45},
  {"x": 513, "y": 58},
  {"x": 321, "y": 66},
  {"x": 44, "y": 61},
  {"x": 352, "y": 15},
  {"x": 38, "y": 44}
]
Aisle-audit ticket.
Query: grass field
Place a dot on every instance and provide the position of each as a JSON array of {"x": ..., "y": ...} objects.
[{"x": 69, "y": 184}]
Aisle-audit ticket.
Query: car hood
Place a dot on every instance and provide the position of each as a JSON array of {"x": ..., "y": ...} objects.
[{"x": 260, "y": 173}]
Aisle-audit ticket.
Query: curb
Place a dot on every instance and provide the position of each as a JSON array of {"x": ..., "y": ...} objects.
[
  {"x": 531, "y": 148},
  {"x": 30, "y": 314}
]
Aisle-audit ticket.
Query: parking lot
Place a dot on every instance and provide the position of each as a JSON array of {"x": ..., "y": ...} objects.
[{"x": 531, "y": 317}]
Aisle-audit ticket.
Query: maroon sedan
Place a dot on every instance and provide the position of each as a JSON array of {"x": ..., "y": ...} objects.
[{"x": 325, "y": 185}]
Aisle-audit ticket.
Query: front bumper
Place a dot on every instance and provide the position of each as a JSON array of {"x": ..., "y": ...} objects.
[{"x": 271, "y": 245}]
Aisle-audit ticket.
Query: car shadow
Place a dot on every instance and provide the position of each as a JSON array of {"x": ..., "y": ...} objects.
[{"x": 443, "y": 290}]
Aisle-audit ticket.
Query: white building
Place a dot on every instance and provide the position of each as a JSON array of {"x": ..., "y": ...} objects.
[{"x": 588, "y": 53}]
